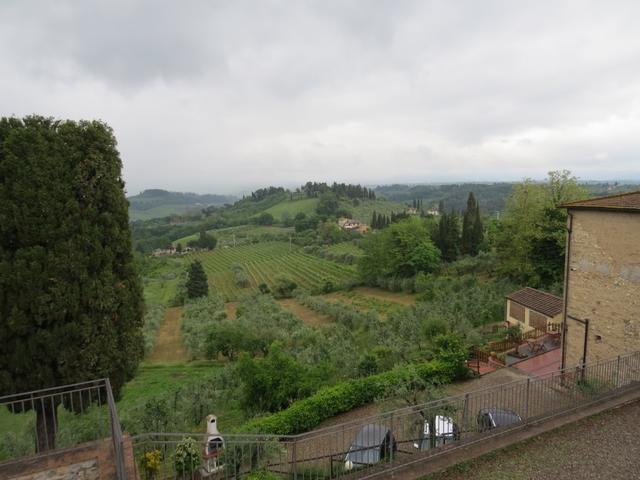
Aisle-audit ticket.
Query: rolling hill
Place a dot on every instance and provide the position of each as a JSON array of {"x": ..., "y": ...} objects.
[{"x": 158, "y": 203}]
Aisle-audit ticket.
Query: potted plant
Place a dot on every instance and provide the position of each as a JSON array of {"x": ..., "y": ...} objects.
[
  {"x": 187, "y": 458},
  {"x": 150, "y": 463}
]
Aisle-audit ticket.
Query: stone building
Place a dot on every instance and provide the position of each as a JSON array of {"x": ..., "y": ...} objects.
[
  {"x": 531, "y": 308},
  {"x": 602, "y": 279}
]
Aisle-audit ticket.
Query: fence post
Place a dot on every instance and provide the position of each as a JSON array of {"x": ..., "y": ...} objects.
[
  {"x": 393, "y": 439},
  {"x": 116, "y": 433},
  {"x": 294, "y": 459},
  {"x": 526, "y": 400},
  {"x": 465, "y": 411},
  {"x": 618, "y": 372}
]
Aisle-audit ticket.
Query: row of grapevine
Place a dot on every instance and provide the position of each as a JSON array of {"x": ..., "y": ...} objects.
[{"x": 263, "y": 263}]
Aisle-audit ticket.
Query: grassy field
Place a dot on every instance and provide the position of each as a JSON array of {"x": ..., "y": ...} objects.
[
  {"x": 243, "y": 234},
  {"x": 160, "y": 279},
  {"x": 263, "y": 263},
  {"x": 169, "y": 347},
  {"x": 345, "y": 247},
  {"x": 366, "y": 301},
  {"x": 293, "y": 207}
]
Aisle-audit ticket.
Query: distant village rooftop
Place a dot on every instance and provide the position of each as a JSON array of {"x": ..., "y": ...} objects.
[
  {"x": 627, "y": 202},
  {"x": 538, "y": 300}
]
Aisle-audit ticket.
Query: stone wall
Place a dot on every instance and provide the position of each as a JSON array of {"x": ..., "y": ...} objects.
[
  {"x": 89, "y": 461},
  {"x": 604, "y": 285}
]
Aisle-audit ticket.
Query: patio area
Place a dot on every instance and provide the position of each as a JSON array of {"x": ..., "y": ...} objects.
[{"x": 541, "y": 364}]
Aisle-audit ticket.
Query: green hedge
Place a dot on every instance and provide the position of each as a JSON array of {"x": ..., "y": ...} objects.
[{"x": 307, "y": 414}]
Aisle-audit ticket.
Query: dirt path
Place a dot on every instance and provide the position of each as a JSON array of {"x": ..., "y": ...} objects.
[
  {"x": 308, "y": 316},
  {"x": 602, "y": 446},
  {"x": 169, "y": 347}
]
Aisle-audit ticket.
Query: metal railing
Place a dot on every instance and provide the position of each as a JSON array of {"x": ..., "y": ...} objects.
[
  {"x": 373, "y": 446},
  {"x": 43, "y": 422}
]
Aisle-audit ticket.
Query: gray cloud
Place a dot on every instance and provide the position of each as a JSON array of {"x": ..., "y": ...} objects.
[{"x": 216, "y": 96}]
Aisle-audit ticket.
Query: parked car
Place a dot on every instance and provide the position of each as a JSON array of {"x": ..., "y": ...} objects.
[
  {"x": 490, "y": 418},
  {"x": 372, "y": 444},
  {"x": 445, "y": 431}
]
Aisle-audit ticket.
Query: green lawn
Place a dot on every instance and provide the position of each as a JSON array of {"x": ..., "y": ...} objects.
[
  {"x": 160, "y": 277},
  {"x": 293, "y": 207}
]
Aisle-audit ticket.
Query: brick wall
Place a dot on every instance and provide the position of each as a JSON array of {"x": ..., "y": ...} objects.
[{"x": 604, "y": 285}]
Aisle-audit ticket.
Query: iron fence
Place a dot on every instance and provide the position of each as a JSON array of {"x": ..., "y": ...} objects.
[
  {"x": 42, "y": 422},
  {"x": 373, "y": 446}
]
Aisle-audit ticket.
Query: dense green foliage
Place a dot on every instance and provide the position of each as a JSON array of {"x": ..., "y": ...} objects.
[
  {"x": 306, "y": 414},
  {"x": 204, "y": 241},
  {"x": 447, "y": 236},
  {"x": 402, "y": 250},
  {"x": 273, "y": 382},
  {"x": 197, "y": 318},
  {"x": 71, "y": 299},
  {"x": 530, "y": 240},
  {"x": 196, "y": 284}
]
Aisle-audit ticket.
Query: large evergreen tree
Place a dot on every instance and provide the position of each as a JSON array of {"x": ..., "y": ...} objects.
[
  {"x": 196, "y": 284},
  {"x": 472, "y": 230},
  {"x": 448, "y": 236},
  {"x": 70, "y": 299}
]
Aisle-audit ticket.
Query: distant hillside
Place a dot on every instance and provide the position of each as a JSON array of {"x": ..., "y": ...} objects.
[
  {"x": 491, "y": 196},
  {"x": 157, "y": 203}
]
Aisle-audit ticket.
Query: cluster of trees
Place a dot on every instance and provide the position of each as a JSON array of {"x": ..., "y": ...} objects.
[
  {"x": 454, "y": 241},
  {"x": 204, "y": 241},
  {"x": 401, "y": 250},
  {"x": 314, "y": 189},
  {"x": 263, "y": 193},
  {"x": 417, "y": 203},
  {"x": 380, "y": 221},
  {"x": 530, "y": 238}
]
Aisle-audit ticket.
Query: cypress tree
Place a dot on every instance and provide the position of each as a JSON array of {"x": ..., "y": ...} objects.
[
  {"x": 471, "y": 227},
  {"x": 71, "y": 302},
  {"x": 448, "y": 237},
  {"x": 197, "y": 285}
]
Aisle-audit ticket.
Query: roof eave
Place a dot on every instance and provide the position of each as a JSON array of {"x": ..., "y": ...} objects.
[{"x": 595, "y": 207}]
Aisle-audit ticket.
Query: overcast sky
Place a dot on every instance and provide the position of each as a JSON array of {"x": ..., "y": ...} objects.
[{"x": 214, "y": 96}]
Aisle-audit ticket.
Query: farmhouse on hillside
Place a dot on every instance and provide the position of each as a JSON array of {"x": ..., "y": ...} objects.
[
  {"x": 352, "y": 225},
  {"x": 534, "y": 309},
  {"x": 602, "y": 279}
]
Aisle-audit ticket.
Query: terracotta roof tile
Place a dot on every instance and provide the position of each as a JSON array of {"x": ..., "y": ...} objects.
[
  {"x": 542, "y": 302},
  {"x": 623, "y": 201}
]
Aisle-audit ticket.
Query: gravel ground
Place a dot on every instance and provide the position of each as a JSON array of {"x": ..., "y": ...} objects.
[{"x": 605, "y": 446}]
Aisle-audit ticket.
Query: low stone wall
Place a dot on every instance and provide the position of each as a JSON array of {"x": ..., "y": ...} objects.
[{"x": 89, "y": 461}]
